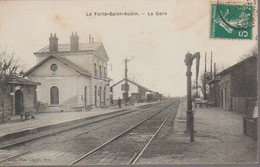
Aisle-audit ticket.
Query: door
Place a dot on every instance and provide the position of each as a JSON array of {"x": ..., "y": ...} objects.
[
  {"x": 221, "y": 98},
  {"x": 85, "y": 96},
  {"x": 224, "y": 98},
  {"x": 105, "y": 100},
  {"x": 100, "y": 96},
  {"x": 19, "y": 105}
]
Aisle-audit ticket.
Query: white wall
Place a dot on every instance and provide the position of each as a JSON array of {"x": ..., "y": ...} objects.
[
  {"x": 64, "y": 78},
  {"x": 117, "y": 92},
  {"x": 103, "y": 84},
  {"x": 83, "y": 82},
  {"x": 81, "y": 59},
  {"x": 71, "y": 85}
]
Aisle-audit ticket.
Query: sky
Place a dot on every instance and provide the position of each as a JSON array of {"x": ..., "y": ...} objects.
[{"x": 156, "y": 44}]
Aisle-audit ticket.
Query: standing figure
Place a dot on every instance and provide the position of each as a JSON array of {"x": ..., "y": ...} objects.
[{"x": 119, "y": 102}]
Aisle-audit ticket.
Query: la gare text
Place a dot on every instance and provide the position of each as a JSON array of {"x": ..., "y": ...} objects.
[{"x": 126, "y": 14}]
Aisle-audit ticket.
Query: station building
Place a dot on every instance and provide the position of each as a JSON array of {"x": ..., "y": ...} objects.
[
  {"x": 238, "y": 84},
  {"x": 71, "y": 75},
  {"x": 137, "y": 92},
  {"x": 19, "y": 95},
  {"x": 234, "y": 87}
]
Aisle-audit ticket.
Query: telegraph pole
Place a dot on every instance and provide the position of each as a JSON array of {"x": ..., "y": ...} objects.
[
  {"x": 190, "y": 118},
  {"x": 126, "y": 77},
  {"x": 215, "y": 70},
  {"x": 211, "y": 66},
  {"x": 126, "y": 82},
  {"x": 205, "y": 63},
  {"x": 204, "y": 79}
]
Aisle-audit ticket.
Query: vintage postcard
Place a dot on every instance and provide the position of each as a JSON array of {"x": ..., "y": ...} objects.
[{"x": 128, "y": 82}]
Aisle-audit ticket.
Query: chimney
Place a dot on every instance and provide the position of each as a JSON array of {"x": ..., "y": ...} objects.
[
  {"x": 53, "y": 46},
  {"x": 74, "y": 42}
]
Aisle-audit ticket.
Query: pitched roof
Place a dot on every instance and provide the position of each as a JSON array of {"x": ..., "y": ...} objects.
[
  {"x": 146, "y": 89},
  {"x": 23, "y": 81},
  {"x": 66, "y": 47},
  {"x": 217, "y": 79},
  {"x": 236, "y": 65},
  {"x": 117, "y": 83},
  {"x": 62, "y": 60}
]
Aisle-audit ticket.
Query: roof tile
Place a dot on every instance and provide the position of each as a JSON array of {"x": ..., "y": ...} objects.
[{"x": 66, "y": 47}]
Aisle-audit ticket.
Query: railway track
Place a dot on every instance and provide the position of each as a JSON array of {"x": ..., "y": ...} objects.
[
  {"x": 55, "y": 133},
  {"x": 84, "y": 159}
]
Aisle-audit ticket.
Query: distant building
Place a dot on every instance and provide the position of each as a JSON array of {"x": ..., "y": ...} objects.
[
  {"x": 137, "y": 92},
  {"x": 154, "y": 96},
  {"x": 214, "y": 92},
  {"x": 71, "y": 75},
  {"x": 238, "y": 83},
  {"x": 20, "y": 95}
]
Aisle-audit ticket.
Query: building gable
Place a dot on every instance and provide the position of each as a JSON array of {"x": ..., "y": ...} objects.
[
  {"x": 66, "y": 67},
  {"x": 101, "y": 52},
  {"x": 45, "y": 69},
  {"x": 132, "y": 83}
]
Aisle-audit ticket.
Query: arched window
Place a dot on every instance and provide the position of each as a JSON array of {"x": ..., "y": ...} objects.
[
  {"x": 105, "y": 96},
  {"x": 54, "y": 95},
  {"x": 85, "y": 96},
  {"x": 100, "y": 96},
  {"x": 95, "y": 96}
]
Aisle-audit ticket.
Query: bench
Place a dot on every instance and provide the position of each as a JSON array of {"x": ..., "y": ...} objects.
[
  {"x": 29, "y": 114},
  {"x": 90, "y": 107},
  {"x": 83, "y": 108}
]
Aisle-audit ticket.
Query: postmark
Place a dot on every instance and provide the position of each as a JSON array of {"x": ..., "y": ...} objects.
[{"x": 232, "y": 21}]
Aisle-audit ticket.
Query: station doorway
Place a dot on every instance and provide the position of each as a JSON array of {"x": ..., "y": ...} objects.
[{"x": 19, "y": 102}]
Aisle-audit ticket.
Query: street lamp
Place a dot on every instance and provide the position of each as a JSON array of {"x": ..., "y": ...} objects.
[{"x": 190, "y": 119}]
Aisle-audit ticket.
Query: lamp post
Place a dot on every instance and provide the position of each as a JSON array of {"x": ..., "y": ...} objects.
[{"x": 190, "y": 118}]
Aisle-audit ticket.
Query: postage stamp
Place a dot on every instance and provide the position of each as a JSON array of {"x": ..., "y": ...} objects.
[{"x": 232, "y": 21}]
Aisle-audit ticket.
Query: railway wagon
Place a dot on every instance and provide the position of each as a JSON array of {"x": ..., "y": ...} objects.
[{"x": 155, "y": 96}]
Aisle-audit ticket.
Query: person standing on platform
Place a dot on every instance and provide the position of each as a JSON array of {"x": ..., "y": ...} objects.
[{"x": 119, "y": 102}]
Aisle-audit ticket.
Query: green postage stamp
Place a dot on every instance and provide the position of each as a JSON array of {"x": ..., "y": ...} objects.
[{"x": 232, "y": 21}]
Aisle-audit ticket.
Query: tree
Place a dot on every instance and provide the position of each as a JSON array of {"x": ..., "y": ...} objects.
[
  {"x": 251, "y": 52},
  {"x": 204, "y": 78},
  {"x": 10, "y": 68}
]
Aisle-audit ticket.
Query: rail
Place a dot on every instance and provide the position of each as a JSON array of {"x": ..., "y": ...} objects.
[
  {"x": 116, "y": 137},
  {"x": 50, "y": 134}
]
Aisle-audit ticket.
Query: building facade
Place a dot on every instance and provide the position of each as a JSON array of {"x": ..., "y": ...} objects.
[
  {"x": 20, "y": 95},
  {"x": 238, "y": 82},
  {"x": 214, "y": 92},
  {"x": 136, "y": 92},
  {"x": 71, "y": 75}
]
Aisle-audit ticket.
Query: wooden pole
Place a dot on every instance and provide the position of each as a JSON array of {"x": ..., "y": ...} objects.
[
  {"x": 211, "y": 66},
  {"x": 126, "y": 82}
]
